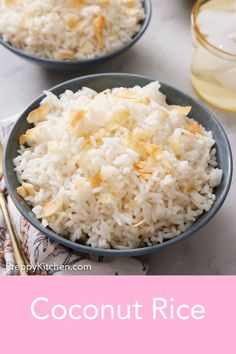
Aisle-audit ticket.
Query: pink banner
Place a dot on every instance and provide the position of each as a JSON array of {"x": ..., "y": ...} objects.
[{"x": 118, "y": 314}]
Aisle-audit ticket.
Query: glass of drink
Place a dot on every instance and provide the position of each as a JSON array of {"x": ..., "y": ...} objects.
[{"x": 213, "y": 68}]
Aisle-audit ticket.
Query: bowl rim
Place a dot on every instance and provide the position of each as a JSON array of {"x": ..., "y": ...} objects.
[
  {"x": 71, "y": 63},
  {"x": 132, "y": 251}
]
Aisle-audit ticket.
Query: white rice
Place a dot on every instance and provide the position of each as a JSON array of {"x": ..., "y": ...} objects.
[
  {"x": 70, "y": 29},
  {"x": 118, "y": 169}
]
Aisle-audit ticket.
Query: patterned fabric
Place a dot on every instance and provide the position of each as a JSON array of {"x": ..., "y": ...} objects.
[{"x": 48, "y": 257}]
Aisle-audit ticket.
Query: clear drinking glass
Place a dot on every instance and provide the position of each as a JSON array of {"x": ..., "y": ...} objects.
[{"x": 213, "y": 68}]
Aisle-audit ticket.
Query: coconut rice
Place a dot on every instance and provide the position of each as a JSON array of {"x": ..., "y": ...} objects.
[
  {"x": 116, "y": 169},
  {"x": 70, "y": 29}
]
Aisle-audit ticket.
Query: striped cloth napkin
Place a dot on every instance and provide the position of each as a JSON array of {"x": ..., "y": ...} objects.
[{"x": 48, "y": 257}]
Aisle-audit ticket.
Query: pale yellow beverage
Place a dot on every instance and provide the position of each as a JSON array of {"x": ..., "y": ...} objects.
[{"x": 213, "y": 69}]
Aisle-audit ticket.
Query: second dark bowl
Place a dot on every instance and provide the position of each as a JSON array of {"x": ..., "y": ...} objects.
[{"x": 79, "y": 64}]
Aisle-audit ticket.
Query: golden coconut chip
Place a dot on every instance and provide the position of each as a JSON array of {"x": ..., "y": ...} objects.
[
  {"x": 141, "y": 135},
  {"x": 86, "y": 48},
  {"x": 38, "y": 114},
  {"x": 130, "y": 3},
  {"x": 145, "y": 100},
  {"x": 181, "y": 109},
  {"x": 9, "y": 2},
  {"x": 114, "y": 36},
  {"x": 26, "y": 190},
  {"x": 130, "y": 205},
  {"x": 104, "y": 3},
  {"x": 136, "y": 145},
  {"x": 138, "y": 167},
  {"x": 76, "y": 117},
  {"x": 174, "y": 145},
  {"x": 76, "y": 3},
  {"x": 95, "y": 180},
  {"x": 22, "y": 192},
  {"x": 51, "y": 207},
  {"x": 190, "y": 187},
  {"x": 28, "y": 137},
  {"x": 99, "y": 136},
  {"x": 194, "y": 128},
  {"x": 121, "y": 118},
  {"x": 99, "y": 26},
  {"x": 64, "y": 54},
  {"x": 140, "y": 223},
  {"x": 87, "y": 144},
  {"x": 72, "y": 20},
  {"x": 153, "y": 150}
]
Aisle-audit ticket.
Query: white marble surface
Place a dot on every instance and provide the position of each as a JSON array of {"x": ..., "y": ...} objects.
[{"x": 163, "y": 53}]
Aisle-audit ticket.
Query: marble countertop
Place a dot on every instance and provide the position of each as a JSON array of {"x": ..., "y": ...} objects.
[{"x": 163, "y": 53}]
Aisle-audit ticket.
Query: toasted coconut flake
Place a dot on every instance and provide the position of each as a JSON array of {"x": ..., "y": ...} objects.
[
  {"x": 86, "y": 48},
  {"x": 153, "y": 150},
  {"x": 9, "y": 2},
  {"x": 22, "y": 139},
  {"x": 145, "y": 100},
  {"x": 174, "y": 145},
  {"x": 165, "y": 113},
  {"x": 87, "y": 144},
  {"x": 26, "y": 190},
  {"x": 29, "y": 188},
  {"x": 27, "y": 137},
  {"x": 130, "y": 3},
  {"x": 136, "y": 145},
  {"x": 99, "y": 26},
  {"x": 51, "y": 207},
  {"x": 140, "y": 223},
  {"x": 167, "y": 165},
  {"x": 64, "y": 55},
  {"x": 76, "y": 118},
  {"x": 95, "y": 180},
  {"x": 143, "y": 148},
  {"x": 122, "y": 118},
  {"x": 99, "y": 137},
  {"x": 194, "y": 128},
  {"x": 22, "y": 192},
  {"x": 71, "y": 21},
  {"x": 190, "y": 187},
  {"x": 76, "y": 3},
  {"x": 141, "y": 135},
  {"x": 131, "y": 205},
  {"x": 114, "y": 36},
  {"x": 181, "y": 109},
  {"x": 139, "y": 167},
  {"x": 38, "y": 114},
  {"x": 146, "y": 175},
  {"x": 104, "y": 3}
]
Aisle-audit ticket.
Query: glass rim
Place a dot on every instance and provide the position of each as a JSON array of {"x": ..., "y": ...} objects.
[{"x": 201, "y": 35}]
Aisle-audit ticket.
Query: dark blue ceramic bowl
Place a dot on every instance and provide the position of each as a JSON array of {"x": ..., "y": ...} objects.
[
  {"x": 79, "y": 64},
  {"x": 99, "y": 83}
]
